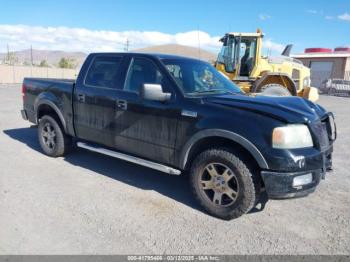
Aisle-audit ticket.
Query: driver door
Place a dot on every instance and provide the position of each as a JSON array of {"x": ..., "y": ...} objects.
[
  {"x": 146, "y": 128},
  {"x": 247, "y": 56}
]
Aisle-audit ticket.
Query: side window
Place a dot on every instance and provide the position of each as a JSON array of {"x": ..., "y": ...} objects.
[
  {"x": 142, "y": 71},
  {"x": 175, "y": 71},
  {"x": 244, "y": 50},
  {"x": 103, "y": 72}
]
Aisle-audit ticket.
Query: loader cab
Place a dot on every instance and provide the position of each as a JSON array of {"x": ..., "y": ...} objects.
[{"x": 239, "y": 54}]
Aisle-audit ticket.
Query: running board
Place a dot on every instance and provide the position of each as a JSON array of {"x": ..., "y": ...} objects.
[{"x": 133, "y": 159}]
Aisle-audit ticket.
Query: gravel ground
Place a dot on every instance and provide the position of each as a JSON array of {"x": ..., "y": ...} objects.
[{"x": 87, "y": 203}]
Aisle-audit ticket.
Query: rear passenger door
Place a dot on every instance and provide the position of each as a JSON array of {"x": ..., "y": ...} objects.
[
  {"x": 146, "y": 128},
  {"x": 94, "y": 99}
]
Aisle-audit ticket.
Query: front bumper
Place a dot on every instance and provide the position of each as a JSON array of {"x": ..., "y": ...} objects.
[
  {"x": 279, "y": 185},
  {"x": 24, "y": 114}
]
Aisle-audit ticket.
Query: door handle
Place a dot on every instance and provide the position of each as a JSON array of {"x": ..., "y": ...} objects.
[
  {"x": 81, "y": 98},
  {"x": 122, "y": 104}
]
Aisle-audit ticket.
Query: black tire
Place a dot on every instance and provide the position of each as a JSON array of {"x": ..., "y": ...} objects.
[
  {"x": 332, "y": 91},
  {"x": 246, "y": 184},
  {"x": 274, "y": 90},
  {"x": 53, "y": 141}
]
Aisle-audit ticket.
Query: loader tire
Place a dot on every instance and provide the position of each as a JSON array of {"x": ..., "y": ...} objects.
[{"x": 274, "y": 90}]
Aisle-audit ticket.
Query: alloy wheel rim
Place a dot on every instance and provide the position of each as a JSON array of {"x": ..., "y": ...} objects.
[
  {"x": 49, "y": 136},
  {"x": 219, "y": 184}
]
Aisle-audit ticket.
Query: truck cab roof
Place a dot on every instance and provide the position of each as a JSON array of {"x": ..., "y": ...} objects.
[{"x": 153, "y": 55}]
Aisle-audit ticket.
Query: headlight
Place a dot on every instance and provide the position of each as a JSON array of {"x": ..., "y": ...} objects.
[
  {"x": 306, "y": 81},
  {"x": 291, "y": 136}
]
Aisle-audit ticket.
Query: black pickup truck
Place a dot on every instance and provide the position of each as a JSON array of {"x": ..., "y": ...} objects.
[{"x": 179, "y": 115}]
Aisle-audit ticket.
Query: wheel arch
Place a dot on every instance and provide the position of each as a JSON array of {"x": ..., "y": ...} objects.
[
  {"x": 216, "y": 137},
  {"x": 275, "y": 78},
  {"x": 45, "y": 106}
]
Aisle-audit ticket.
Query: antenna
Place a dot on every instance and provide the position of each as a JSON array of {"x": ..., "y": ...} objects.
[{"x": 199, "y": 43}]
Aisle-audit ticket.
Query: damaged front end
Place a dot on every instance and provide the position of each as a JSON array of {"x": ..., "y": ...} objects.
[{"x": 297, "y": 172}]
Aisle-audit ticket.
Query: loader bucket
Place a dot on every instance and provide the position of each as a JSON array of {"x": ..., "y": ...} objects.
[{"x": 310, "y": 93}]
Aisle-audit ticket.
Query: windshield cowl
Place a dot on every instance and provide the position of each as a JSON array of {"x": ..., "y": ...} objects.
[{"x": 213, "y": 92}]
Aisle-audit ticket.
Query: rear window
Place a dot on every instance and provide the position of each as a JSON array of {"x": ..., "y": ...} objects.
[{"x": 103, "y": 72}]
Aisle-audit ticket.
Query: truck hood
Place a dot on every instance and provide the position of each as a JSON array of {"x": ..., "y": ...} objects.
[
  {"x": 285, "y": 59},
  {"x": 286, "y": 109}
]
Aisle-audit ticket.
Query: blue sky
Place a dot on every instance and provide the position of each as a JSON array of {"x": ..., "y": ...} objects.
[{"x": 303, "y": 23}]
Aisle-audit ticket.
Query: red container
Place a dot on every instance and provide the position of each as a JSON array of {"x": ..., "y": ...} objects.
[
  {"x": 318, "y": 50},
  {"x": 342, "y": 49}
]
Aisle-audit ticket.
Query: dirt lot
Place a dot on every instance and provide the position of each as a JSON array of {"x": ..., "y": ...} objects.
[{"x": 93, "y": 204}]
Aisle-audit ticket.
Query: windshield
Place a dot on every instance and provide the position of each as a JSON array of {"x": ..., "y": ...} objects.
[{"x": 196, "y": 77}]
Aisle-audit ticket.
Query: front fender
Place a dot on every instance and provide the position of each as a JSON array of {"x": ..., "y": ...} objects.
[{"x": 224, "y": 134}]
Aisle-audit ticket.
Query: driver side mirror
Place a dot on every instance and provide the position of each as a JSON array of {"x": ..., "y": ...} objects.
[{"x": 154, "y": 92}]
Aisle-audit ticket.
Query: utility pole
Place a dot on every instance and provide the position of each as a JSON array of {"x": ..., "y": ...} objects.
[
  {"x": 8, "y": 54},
  {"x": 31, "y": 55},
  {"x": 127, "y": 44}
]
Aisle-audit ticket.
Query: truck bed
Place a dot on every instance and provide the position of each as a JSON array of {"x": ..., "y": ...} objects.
[{"x": 57, "y": 91}]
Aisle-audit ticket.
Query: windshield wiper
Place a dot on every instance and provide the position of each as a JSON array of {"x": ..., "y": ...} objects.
[{"x": 231, "y": 92}]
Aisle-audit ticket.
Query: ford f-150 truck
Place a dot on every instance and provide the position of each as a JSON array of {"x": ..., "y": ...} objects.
[{"x": 179, "y": 115}]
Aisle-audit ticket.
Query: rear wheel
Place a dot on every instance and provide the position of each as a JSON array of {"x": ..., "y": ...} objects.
[
  {"x": 274, "y": 90},
  {"x": 53, "y": 141},
  {"x": 223, "y": 184}
]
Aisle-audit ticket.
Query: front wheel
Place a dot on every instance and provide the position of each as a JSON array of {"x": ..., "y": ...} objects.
[
  {"x": 53, "y": 141},
  {"x": 223, "y": 184}
]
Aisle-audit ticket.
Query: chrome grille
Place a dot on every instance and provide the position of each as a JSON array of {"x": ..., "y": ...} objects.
[
  {"x": 320, "y": 131},
  {"x": 331, "y": 128}
]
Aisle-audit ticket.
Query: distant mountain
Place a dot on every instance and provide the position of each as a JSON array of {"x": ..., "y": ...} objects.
[
  {"x": 179, "y": 50},
  {"x": 52, "y": 57}
]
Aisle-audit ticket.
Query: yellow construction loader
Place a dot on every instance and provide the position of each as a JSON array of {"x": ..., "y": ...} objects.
[{"x": 241, "y": 60}]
